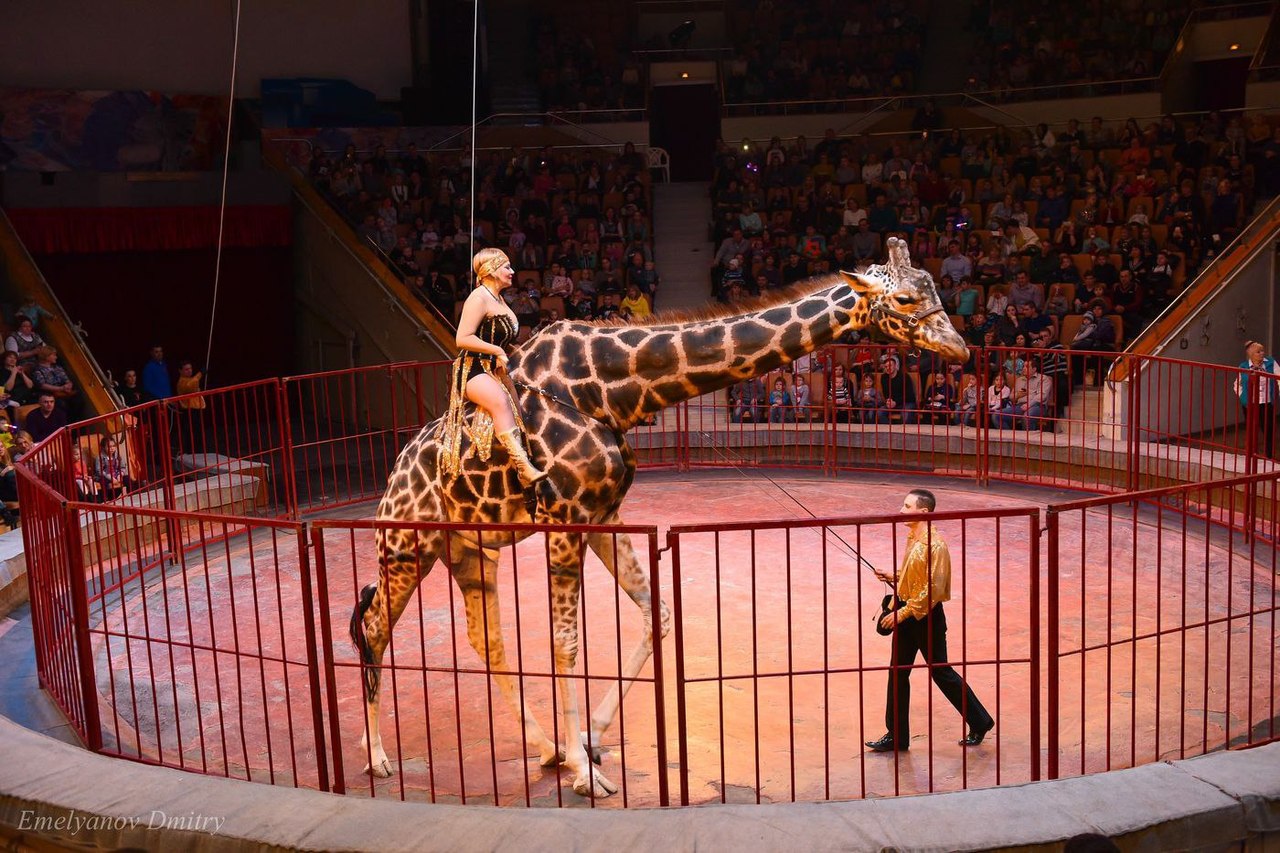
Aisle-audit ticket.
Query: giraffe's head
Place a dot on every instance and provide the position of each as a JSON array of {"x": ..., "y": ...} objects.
[{"x": 903, "y": 304}]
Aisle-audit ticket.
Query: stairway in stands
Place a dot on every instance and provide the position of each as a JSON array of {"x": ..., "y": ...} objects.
[
  {"x": 681, "y": 246},
  {"x": 513, "y": 76}
]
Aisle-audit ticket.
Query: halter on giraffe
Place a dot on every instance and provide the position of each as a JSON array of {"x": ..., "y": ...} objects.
[{"x": 611, "y": 377}]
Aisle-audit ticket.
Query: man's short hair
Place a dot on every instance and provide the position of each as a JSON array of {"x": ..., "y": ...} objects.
[{"x": 924, "y": 499}]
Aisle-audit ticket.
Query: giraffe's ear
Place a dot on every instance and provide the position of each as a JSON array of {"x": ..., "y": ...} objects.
[{"x": 862, "y": 284}]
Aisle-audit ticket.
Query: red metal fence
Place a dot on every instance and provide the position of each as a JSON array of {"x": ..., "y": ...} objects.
[{"x": 184, "y": 612}]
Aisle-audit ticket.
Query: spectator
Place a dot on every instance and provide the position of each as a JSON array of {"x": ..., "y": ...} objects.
[
  {"x": 1032, "y": 399},
  {"x": 190, "y": 404},
  {"x": 636, "y": 304},
  {"x": 955, "y": 264},
  {"x": 869, "y": 403},
  {"x": 49, "y": 378},
  {"x": 1057, "y": 304},
  {"x": 129, "y": 391},
  {"x": 111, "y": 472},
  {"x": 967, "y": 401},
  {"x": 965, "y": 301},
  {"x": 1023, "y": 292},
  {"x": 747, "y": 401},
  {"x": 1264, "y": 372},
  {"x": 26, "y": 342},
  {"x": 155, "y": 375},
  {"x": 46, "y": 420},
  {"x": 1126, "y": 297},
  {"x": 88, "y": 489},
  {"x": 866, "y": 243},
  {"x": 998, "y": 396},
  {"x": 780, "y": 404},
  {"x": 899, "y": 390},
  {"x": 8, "y": 487},
  {"x": 18, "y": 387},
  {"x": 841, "y": 394},
  {"x": 939, "y": 399}
]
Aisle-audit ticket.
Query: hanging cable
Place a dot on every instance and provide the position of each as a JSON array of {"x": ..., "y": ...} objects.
[
  {"x": 222, "y": 202},
  {"x": 475, "y": 87}
]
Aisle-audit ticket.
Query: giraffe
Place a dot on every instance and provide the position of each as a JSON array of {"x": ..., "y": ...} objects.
[{"x": 598, "y": 380}]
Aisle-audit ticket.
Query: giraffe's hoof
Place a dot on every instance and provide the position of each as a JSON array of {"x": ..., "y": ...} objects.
[
  {"x": 380, "y": 769},
  {"x": 593, "y": 783},
  {"x": 591, "y": 743},
  {"x": 552, "y": 758}
]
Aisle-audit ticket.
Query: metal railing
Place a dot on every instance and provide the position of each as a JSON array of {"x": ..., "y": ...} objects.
[{"x": 187, "y": 618}]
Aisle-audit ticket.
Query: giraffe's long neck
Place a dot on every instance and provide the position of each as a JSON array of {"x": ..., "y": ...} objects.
[{"x": 631, "y": 372}]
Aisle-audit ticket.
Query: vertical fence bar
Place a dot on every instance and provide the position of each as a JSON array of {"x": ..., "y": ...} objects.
[
  {"x": 659, "y": 686},
  {"x": 1034, "y": 625},
  {"x": 1053, "y": 698},
  {"x": 84, "y": 650},
  {"x": 682, "y": 711},
  {"x": 326, "y": 650},
  {"x": 313, "y": 664},
  {"x": 286, "y": 450}
]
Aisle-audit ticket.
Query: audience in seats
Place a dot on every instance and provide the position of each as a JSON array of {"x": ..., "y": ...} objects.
[{"x": 572, "y": 218}]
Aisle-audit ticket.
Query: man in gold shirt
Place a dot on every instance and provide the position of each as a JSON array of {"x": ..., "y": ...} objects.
[{"x": 919, "y": 626}]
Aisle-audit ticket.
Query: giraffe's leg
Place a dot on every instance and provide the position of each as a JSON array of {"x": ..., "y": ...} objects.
[
  {"x": 619, "y": 557},
  {"x": 566, "y": 586},
  {"x": 475, "y": 571},
  {"x": 404, "y": 558}
]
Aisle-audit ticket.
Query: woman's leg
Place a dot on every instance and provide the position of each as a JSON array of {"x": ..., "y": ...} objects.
[{"x": 486, "y": 392}]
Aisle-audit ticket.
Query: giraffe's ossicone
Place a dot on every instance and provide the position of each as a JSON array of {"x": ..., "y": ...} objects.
[{"x": 597, "y": 380}]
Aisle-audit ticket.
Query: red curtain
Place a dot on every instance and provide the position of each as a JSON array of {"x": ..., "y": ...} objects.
[{"x": 80, "y": 230}]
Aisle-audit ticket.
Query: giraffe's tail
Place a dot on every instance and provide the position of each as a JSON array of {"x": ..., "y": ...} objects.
[{"x": 372, "y": 673}]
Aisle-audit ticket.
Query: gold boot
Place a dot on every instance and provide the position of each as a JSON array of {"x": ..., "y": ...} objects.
[{"x": 529, "y": 474}]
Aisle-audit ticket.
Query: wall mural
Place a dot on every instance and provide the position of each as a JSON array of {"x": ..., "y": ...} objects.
[{"x": 58, "y": 130}]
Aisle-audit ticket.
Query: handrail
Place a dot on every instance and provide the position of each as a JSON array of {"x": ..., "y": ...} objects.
[
  {"x": 912, "y": 98},
  {"x": 889, "y": 104},
  {"x": 395, "y": 289},
  {"x": 551, "y": 115},
  {"x": 1255, "y": 237},
  {"x": 62, "y": 335},
  {"x": 988, "y": 106},
  {"x": 1108, "y": 122}
]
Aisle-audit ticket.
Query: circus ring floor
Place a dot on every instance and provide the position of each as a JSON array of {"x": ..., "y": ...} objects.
[{"x": 765, "y": 724}]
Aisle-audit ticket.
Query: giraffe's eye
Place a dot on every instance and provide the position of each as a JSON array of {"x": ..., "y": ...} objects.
[{"x": 904, "y": 300}]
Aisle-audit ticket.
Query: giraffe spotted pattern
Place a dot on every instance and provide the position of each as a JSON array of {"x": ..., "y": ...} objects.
[{"x": 610, "y": 377}]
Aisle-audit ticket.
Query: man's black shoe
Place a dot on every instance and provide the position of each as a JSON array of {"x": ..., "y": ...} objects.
[
  {"x": 975, "y": 736},
  {"x": 886, "y": 744}
]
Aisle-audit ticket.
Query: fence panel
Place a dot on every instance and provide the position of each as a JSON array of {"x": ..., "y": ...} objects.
[
  {"x": 1162, "y": 635},
  {"x": 56, "y": 587},
  {"x": 348, "y": 427},
  {"x": 202, "y": 655},
  {"x": 446, "y": 720},
  {"x": 781, "y": 675}
]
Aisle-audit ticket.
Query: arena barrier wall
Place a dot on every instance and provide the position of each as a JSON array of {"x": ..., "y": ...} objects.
[{"x": 198, "y": 620}]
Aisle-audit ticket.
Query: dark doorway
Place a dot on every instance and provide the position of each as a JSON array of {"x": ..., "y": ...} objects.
[
  {"x": 1220, "y": 83},
  {"x": 685, "y": 120}
]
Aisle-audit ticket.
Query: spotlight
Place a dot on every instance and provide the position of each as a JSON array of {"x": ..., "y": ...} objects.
[
  {"x": 1235, "y": 46},
  {"x": 681, "y": 36},
  {"x": 684, "y": 75}
]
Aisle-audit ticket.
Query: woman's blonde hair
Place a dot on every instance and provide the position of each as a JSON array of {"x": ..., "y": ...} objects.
[{"x": 487, "y": 262}]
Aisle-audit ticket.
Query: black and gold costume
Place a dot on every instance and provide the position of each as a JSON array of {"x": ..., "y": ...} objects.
[{"x": 497, "y": 329}]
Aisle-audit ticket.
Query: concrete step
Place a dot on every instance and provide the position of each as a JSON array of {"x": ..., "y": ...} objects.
[{"x": 680, "y": 243}]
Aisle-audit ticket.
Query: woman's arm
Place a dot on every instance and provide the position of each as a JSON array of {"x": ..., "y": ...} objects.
[{"x": 473, "y": 314}]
